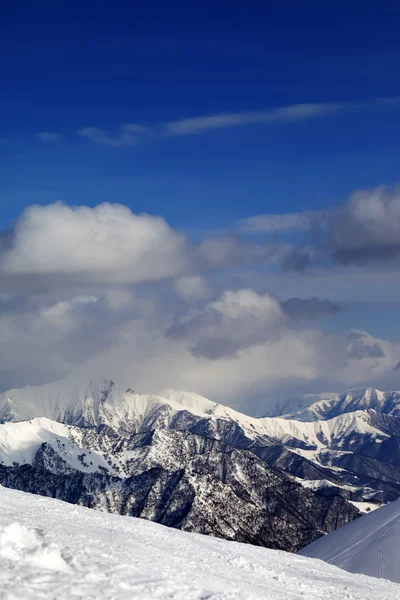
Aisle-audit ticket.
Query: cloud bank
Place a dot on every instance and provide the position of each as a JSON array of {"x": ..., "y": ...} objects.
[
  {"x": 365, "y": 230},
  {"x": 107, "y": 293}
]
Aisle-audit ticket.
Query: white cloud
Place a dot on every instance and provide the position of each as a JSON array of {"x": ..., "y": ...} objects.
[
  {"x": 192, "y": 288},
  {"x": 105, "y": 243},
  {"x": 113, "y": 294},
  {"x": 239, "y": 349},
  {"x": 296, "y": 112}
]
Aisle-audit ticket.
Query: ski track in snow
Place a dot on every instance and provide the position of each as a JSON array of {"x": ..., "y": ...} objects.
[
  {"x": 53, "y": 550},
  {"x": 369, "y": 545}
]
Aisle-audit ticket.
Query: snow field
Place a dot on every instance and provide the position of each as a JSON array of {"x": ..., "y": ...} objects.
[{"x": 53, "y": 550}]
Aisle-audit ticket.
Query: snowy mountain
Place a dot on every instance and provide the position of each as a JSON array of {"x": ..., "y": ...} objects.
[
  {"x": 358, "y": 435},
  {"x": 54, "y": 551},
  {"x": 190, "y": 463},
  {"x": 369, "y": 545},
  {"x": 290, "y": 405},
  {"x": 387, "y": 403}
]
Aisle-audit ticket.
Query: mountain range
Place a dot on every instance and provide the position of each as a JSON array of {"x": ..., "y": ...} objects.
[{"x": 184, "y": 461}]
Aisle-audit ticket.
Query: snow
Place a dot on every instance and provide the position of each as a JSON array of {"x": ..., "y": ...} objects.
[
  {"x": 75, "y": 402},
  {"x": 19, "y": 443},
  {"x": 350, "y": 401},
  {"x": 56, "y": 551},
  {"x": 365, "y": 507},
  {"x": 368, "y": 545}
]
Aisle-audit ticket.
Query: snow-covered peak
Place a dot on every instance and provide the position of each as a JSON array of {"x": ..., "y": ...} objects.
[
  {"x": 350, "y": 401},
  {"x": 91, "y": 403},
  {"x": 190, "y": 400}
]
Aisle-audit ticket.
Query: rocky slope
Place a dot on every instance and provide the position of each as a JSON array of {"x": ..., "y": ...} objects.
[{"x": 185, "y": 462}]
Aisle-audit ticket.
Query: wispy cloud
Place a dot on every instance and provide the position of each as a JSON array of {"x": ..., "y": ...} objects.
[
  {"x": 296, "y": 112},
  {"x": 48, "y": 136},
  {"x": 289, "y": 222},
  {"x": 128, "y": 135}
]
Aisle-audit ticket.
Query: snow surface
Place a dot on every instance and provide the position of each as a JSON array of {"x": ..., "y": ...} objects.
[
  {"x": 56, "y": 551},
  {"x": 369, "y": 545}
]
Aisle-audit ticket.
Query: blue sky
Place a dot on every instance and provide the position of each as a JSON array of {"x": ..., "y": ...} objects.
[
  {"x": 208, "y": 114},
  {"x": 69, "y": 67}
]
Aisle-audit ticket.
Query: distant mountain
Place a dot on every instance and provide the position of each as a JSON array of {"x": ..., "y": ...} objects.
[
  {"x": 180, "y": 460},
  {"x": 387, "y": 403},
  {"x": 188, "y": 462},
  {"x": 290, "y": 405},
  {"x": 369, "y": 545}
]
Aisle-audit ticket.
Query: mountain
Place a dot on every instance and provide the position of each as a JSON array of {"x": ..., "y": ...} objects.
[
  {"x": 289, "y": 405},
  {"x": 369, "y": 545},
  {"x": 185, "y": 461},
  {"x": 387, "y": 403},
  {"x": 356, "y": 434},
  {"x": 180, "y": 460},
  {"x": 55, "y": 551}
]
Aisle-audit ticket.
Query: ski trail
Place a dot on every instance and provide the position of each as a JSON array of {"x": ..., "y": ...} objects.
[
  {"x": 383, "y": 562},
  {"x": 370, "y": 533},
  {"x": 380, "y": 537}
]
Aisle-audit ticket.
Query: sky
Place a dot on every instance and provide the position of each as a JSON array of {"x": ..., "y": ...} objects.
[{"x": 201, "y": 196}]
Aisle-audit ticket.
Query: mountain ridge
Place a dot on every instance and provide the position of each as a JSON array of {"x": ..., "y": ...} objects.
[{"x": 104, "y": 446}]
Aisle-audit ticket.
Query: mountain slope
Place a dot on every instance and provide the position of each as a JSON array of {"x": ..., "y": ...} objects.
[
  {"x": 369, "y": 545},
  {"x": 174, "y": 477},
  {"x": 54, "y": 551},
  {"x": 387, "y": 403},
  {"x": 185, "y": 461}
]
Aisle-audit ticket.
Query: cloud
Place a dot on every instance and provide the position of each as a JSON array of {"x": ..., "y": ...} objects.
[
  {"x": 288, "y": 222},
  {"x": 362, "y": 346},
  {"x": 100, "y": 244},
  {"x": 65, "y": 246},
  {"x": 229, "y": 250},
  {"x": 283, "y": 114},
  {"x": 103, "y": 292},
  {"x": 312, "y": 308},
  {"x": 129, "y": 135},
  {"x": 367, "y": 229},
  {"x": 240, "y": 348},
  {"x": 48, "y": 136},
  {"x": 235, "y": 322},
  {"x": 192, "y": 288},
  {"x": 296, "y": 112},
  {"x": 364, "y": 230}
]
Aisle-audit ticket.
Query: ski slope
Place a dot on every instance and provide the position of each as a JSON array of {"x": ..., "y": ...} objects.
[
  {"x": 53, "y": 550},
  {"x": 369, "y": 545}
]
